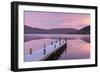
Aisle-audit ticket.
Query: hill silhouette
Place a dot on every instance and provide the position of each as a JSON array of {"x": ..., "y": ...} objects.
[
  {"x": 85, "y": 30},
  {"x": 31, "y": 30}
]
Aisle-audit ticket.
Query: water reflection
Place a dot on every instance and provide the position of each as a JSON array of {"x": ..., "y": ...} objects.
[
  {"x": 86, "y": 39},
  {"x": 78, "y": 47}
]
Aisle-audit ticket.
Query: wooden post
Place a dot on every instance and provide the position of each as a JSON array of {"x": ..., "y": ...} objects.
[
  {"x": 54, "y": 45},
  {"x": 65, "y": 50},
  {"x": 56, "y": 41},
  {"x": 59, "y": 41},
  {"x": 63, "y": 41},
  {"x": 44, "y": 50},
  {"x": 66, "y": 44},
  {"x": 51, "y": 43},
  {"x": 30, "y": 51}
]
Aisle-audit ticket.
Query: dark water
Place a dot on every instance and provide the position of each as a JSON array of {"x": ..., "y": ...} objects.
[{"x": 78, "y": 46}]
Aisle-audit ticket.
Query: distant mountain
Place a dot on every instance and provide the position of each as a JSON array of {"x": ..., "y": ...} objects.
[
  {"x": 30, "y": 30},
  {"x": 63, "y": 31},
  {"x": 85, "y": 30}
]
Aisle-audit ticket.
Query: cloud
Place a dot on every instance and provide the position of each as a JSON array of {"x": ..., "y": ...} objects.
[{"x": 48, "y": 20}]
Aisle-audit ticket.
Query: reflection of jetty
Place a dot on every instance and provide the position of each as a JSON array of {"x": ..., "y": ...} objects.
[{"x": 51, "y": 52}]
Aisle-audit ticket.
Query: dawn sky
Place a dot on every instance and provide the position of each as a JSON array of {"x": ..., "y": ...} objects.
[{"x": 49, "y": 20}]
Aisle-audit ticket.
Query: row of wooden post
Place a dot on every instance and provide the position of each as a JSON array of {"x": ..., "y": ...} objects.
[{"x": 44, "y": 50}]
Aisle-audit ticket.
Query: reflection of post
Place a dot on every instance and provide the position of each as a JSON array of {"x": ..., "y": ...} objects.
[
  {"x": 66, "y": 42},
  {"x": 44, "y": 51},
  {"x": 65, "y": 39},
  {"x": 30, "y": 51}
]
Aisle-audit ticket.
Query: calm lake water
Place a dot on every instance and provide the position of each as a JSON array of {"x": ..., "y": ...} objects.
[{"x": 78, "y": 46}]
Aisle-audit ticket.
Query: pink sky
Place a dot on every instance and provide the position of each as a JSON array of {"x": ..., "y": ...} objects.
[{"x": 49, "y": 20}]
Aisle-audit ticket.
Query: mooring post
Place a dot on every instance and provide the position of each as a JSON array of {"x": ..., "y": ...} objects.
[
  {"x": 44, "y": 50},
  {"x": 30, "y": 51},
  {"x": 66, "y": 44},
  {"x": 54, "y": 45},
  {"x": 56, "y": 41},
  {"x": 51, "y": 43},
  {"x": 63, "y": 41},
  {"x": 59, "y": 41}
]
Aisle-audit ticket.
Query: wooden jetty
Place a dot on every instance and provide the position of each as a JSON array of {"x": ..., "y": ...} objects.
[
  {"x": 51, "y": 52},
  {"x": 53, "y": 55}
]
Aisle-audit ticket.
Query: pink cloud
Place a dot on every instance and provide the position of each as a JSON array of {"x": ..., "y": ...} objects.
[{"x": 47, "y": 20}]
